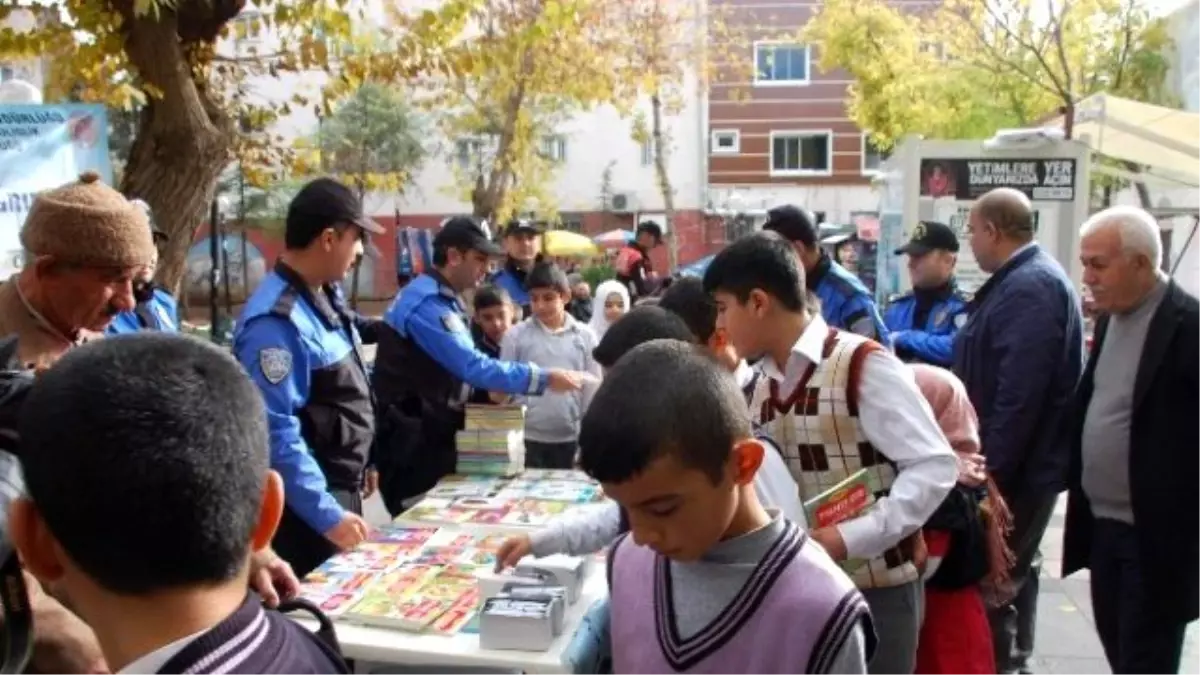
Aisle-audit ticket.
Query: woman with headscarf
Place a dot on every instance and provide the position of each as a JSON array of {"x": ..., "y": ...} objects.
[
  {"x": 965, "y": 541},
  {"x": 610, "y": 303}
]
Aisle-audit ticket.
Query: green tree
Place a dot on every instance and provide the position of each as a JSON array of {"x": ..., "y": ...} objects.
[
  {"x": 374, "y": 140},
  {"x": 163, "y": 56},
  {"x": 971, "y": 67}
]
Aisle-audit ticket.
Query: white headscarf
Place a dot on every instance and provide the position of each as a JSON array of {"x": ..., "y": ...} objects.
[{"x": 599, "y": 324}]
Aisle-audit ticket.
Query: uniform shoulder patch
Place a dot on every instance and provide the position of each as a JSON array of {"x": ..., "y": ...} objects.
[
  {"x": 275, "y": 363},
  {"x": 960, "y": 320},
  {"x": 453, "y": 323}
]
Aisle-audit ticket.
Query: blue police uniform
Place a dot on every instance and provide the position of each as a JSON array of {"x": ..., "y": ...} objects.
[
  {"x": 160, "y": 313},
  {"x": 512, "y": 279},
  {"x": 924, "y": 323},
  {"x": 845, "y": 301},
  {"x": 425, "y": 366},
  {"x": 303, "y": 350}
]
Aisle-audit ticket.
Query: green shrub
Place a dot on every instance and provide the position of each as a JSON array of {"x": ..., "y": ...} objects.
[{"x": 597, "y": 274}]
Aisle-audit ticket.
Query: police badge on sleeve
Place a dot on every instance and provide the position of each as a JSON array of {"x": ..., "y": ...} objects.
[{"x": 275, "y": 364}]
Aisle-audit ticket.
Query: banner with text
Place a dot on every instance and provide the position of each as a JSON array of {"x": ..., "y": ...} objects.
[
  {"x": 1049, "y": 180},
  {"x": 42, "y": 147}
]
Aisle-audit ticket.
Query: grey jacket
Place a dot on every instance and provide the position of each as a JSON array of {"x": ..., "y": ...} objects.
[{"x": 553, "y": 417}]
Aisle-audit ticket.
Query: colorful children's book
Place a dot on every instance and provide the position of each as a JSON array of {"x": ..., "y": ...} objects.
[
  {"x": 335, "y": 590},
  {"x": 461, "y": 613},
  {"x": 847, "y": 500},
  {"x": 534, "y": 512}
]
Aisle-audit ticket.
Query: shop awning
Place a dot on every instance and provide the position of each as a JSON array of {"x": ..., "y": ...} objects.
[{"x": 1165, "y": 140}]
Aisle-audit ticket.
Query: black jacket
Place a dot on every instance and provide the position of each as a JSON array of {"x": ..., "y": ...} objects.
[{"x": 1164, "y": 459}]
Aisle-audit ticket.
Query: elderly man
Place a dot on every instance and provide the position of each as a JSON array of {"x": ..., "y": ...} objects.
[
  {"x": 85, "y": 246},
  {"x": 1132, "y": 515},
  {"x": 1020, "y": 355}
]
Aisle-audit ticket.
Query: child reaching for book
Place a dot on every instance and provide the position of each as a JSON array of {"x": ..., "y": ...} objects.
[
  {"x": 706, "y": 576},
  {"x": 590, "y": 529}
]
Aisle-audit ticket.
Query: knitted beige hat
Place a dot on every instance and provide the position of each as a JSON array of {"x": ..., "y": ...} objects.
[{"x": 88, "y": 223}]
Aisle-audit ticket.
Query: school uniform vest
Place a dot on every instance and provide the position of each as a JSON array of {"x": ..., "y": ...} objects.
[
  {"x": 793, "y": 615},
  {"x": 818, "y": 431}
]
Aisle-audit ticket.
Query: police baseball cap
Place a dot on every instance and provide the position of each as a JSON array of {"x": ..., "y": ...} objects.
[
  {"x": 464, "y": 232},
  {"x": 522, "y": 227},
  {"x": 324, "y": 203},
  {"x": 793, "y": 223},
  {"x": 929, "y": 236}
]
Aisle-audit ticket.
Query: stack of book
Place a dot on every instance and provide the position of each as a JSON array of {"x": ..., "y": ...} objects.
[{"x": 492, "y": 441}]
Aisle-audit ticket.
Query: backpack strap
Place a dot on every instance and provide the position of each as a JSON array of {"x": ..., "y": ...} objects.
[{"x": 325, "y": 631}]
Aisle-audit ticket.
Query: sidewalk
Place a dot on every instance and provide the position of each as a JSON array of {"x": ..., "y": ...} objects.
[{"x": 1066, "y": 637}]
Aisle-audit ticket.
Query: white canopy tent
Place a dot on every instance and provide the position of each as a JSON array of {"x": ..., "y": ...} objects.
[{"x": 1163, "y": 140}]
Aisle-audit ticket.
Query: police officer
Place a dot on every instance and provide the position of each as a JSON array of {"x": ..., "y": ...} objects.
[
  {"x": 925, "y": 321},
  {"x": 156, "y": 308},
  {"x": 521, "y": 239},
  {"x": 427, "y": 363},
  {"x": 302, "y": 346},
  {"x": 845, "y": 301}
]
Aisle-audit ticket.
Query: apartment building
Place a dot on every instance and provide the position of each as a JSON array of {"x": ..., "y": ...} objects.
[
  {"x": 778, "y": 130},
  {"x": 28, "y": 71}
]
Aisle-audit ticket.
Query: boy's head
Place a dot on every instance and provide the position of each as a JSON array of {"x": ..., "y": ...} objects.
[
  {"x": 688, "y": 299},
  {"x": 160, "y": 480},
  {"x": 754, "y": 281},
  {"x": 549, "y": 292},
  {"x": 679, "y": 455},
  {"x": 493, "y": 312},
  {"x": 639, "y": 326}
]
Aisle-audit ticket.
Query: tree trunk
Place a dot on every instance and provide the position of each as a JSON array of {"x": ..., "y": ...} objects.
[
  {"x": 182, "y": 144},
  {"x": 664, "y": 181}
]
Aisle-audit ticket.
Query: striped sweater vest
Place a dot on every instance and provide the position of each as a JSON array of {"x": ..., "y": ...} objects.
[{"x": 821, "y": 438}]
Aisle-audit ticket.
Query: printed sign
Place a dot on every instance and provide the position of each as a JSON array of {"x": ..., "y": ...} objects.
[
  {"x": 1051, "y": 180},
  {"x": 43, "y": 147}
]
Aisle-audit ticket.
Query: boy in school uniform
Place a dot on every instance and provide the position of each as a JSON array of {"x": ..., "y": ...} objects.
[
  {"x": 145, "y": 509},
  {"x": 551, "y": 338},
  {"x": 707, "y": 580},
  {"x": 837, "y": 402},
  {"x": 591, "y": 529},
  {"x": 492, "y": 318}
]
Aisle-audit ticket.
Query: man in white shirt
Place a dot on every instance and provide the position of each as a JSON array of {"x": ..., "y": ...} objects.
[{"x": 836, "y": 403}]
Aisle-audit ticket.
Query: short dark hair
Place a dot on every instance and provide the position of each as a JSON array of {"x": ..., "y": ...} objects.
[
  {"x": 794, "y": 224},
  {"x": 697, "y": 415},
  {"x": 547, "y": 275},
  {"x": 490, "y": 296},
  {"x": 640, "y": 325},
  {"x": 688, "y": 299},
  {"x": 157, "y": 480},
  {"x": 763, "y": 260}
]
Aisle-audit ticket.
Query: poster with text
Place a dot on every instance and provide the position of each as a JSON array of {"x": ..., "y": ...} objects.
[
  {"x": 1051, "y": 180},
  {"x": 43, "y": 147}
]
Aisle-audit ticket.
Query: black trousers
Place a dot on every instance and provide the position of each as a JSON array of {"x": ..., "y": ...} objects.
[
  {"x": 1013, "y": 625},
  {"x": 550, "y": 455},
  {"x": 303, "y": 547},
  {"x": 1136, "y": 638}
]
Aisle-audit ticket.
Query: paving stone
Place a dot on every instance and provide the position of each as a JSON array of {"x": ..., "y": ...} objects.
[
  {"x": 1063, "y": 630},
  {"x": 1065, "y": 665}
]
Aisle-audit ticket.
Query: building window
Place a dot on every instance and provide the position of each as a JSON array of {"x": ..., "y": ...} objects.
[
  {"x": 572, "y": 223},
  {"x": 725, "y": 142},
  {"x": 801, "y": 153},
  {"x": 872, "y": 157},
  {"x": 935, "y": 49},
  {"x": 780, "y": 64},
  {"x": 554, "y": 148},
  {"x": 648, "y": 152},
  {"x": 739, "y": 226},
  {"x": 6, "y": 73},
  {"x": 468, "y": 153}
]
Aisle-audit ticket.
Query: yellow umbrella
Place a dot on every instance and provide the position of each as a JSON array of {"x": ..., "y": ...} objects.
[{"x": 568, "y": 244}]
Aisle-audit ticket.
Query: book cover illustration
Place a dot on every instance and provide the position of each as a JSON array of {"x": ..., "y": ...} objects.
[
  {"x": 406, "y": 581},
  {"x": 459, "y": 615},
  {"x": 402, "y": 537},
  {"x": 371, "y": 557},
  {"x": 847, "y": 500},
  {"x": 335, "y": 590},
  {"x": 534, "y": 512},
  {"x": 572, "y": 492},
  {"x": 557, "y": 474}
]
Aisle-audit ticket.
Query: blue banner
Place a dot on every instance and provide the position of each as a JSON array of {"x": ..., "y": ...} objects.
[{"x": 42, "y": 147}]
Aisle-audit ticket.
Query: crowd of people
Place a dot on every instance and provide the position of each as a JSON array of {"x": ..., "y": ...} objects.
[{"x": 173, "y": 488}]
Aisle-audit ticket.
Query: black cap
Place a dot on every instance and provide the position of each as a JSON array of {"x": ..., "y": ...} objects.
[
  {"x": 522, "y": 227},
  {"x": 929, "y": 236},
  {"x": 793, "y": 223},
  {"x": 652, "y": 228},
  {"x": 464, "y": 232},
  {"x": 324, "y": 203}
]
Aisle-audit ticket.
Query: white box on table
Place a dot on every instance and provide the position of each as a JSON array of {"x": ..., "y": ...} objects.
[
  {"x": 562, "y": 570},
  {"x": 511, "y": 623}
]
